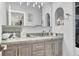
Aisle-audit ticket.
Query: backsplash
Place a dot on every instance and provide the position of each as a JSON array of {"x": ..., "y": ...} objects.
[
  {"x": 33, "y": 30},
  {"x": 11, "y": 30}
]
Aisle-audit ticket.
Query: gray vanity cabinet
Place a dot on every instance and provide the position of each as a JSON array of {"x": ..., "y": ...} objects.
[
  {"x": 53, "y": 48},
  {"x": 17, "y": 50},
  {"x": 48, "y": 47}
]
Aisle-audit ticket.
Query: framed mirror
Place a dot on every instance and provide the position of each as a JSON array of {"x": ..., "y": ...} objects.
[{"x": 16, "y": 18}]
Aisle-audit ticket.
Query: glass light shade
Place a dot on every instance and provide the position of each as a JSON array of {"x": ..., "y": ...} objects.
[
  {"x": 33, "y": 5},
  {"x": 39, "y": 6},
  {"x": 20, "y": 3},
  {"x": 28, "y": 3},
  {"x": 36, "y": 3}
]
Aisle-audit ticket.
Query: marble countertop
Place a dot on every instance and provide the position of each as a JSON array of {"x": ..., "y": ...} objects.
[{"x": 31, "y": 39}]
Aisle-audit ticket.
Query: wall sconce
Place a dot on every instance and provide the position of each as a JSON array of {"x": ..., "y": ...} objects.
[
  {"x": 20, "y": 3},
  {"x": 34, "y": 5},
  {"x": 28, "y": 3},
  {"x": 67, "y": 15},
  {"x": 39, "y": 6}
]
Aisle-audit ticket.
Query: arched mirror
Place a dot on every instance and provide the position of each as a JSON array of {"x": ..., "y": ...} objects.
[
  {"x": 59, "y": 16},
  {"x": 48, "y": 19}
]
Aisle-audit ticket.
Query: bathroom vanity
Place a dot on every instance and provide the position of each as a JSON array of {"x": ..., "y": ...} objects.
[
  {"x": 38, "y": 46},
  {"x": 42, "y": 43}
]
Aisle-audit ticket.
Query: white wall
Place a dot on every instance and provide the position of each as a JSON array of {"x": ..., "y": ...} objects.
[
  {"x": 2, "y": 18},
  {"x": 36, "y": 12},
  {"x": 46, "y": 9},
  {"x": 3, "y": 13},
  {"x": 56, "y": 28},
  {"x": 68, "y": 29},
  {"x": 51, "y": 8}
]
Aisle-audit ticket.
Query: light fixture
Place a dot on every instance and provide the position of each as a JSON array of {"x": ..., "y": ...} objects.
[
  {"x": 34, "y": 5},
  {"x": 39, "y": 6},
  {"x": 28, "y": 3},
  {"x": 20, "y": 3}
]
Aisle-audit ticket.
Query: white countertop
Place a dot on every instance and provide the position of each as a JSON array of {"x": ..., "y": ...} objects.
[{"x": 31, "y": 38}]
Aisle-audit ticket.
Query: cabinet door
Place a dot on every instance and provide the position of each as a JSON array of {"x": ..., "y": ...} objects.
[
  {"x": 48, "y": 48},
  {"x": 25, "y": 50},
  {"x": 11, "y": 51},
  {"x": 53, "y": 48},
  {"x": 60, "y": 48},
  {"x": 38, "y": 49},
  {"x": 56, "y": 48}
]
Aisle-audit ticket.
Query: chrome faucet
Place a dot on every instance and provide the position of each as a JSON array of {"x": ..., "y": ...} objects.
[{"x": 50, "y": 31}]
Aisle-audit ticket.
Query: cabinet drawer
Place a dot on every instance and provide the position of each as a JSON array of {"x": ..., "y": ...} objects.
[
  {"x": 38, "y": 53},
  {"x": 25, "y": 50},
  {"x": 38, "y": 46}
]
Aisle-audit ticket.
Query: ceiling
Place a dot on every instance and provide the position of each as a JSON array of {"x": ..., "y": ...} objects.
[{"x": 34, "y": 4}]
